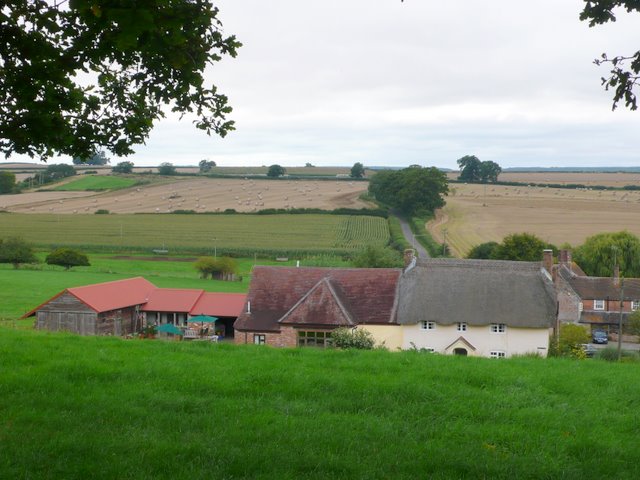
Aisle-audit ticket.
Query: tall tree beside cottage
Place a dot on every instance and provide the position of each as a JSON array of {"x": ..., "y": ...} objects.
[{"x": 83, "y": 74}]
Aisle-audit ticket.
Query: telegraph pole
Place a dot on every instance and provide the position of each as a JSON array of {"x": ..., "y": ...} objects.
[{"x": 620, "y": 319}]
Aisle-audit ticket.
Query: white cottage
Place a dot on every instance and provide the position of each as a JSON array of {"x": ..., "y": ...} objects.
[{"x": 486, "y": 308}]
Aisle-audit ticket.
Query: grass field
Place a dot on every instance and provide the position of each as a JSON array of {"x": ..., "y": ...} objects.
[
  {"x": 201, "y": 233},
  {"x": 475, "y": 214},
  {"x": 24, "y": 289},
  {"x": 89, "y": 407},
  {"x": 95, "y": 182}
]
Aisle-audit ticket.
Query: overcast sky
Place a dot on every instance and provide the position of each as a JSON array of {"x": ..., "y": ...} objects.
[{"x": 386, "y": 83}]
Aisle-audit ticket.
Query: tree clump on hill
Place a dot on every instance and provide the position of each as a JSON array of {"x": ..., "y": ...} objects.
[
  {"x": 599, "y": 253},
  {"x": 475, "y": 171},
  {"x": 357, "y": 171},
  {"x": 524, "y": 247},
  {"x": 276, "y": 171},
  {"x": 412, "y": 191},
  {"x": 166, "y": 168},
  {"x": 98, "y": 158},
  {"x": 79, "y": 74},
  {"x": 206, "y": 165},
  {"x": 223, "y": 268},
  {"x": 16, "y": 251},
  {"x": 67, "y": 258},
  {"x": 123, "y": 167}
]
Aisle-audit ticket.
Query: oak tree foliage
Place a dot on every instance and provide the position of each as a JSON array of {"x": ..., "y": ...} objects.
[
  {"x": 472, "y": 169},
  {"x": 67, "y": 258},
  {"x": 276, "y": 171},
  {"x": 81, "y": 75},
  {"x": 16, "y": 251},
  {"x": 123, "y": 167},
  {"x": 624, "y": 76},
  {"x": 357, "y": 171},
  {"x": 411, "y": 190}
]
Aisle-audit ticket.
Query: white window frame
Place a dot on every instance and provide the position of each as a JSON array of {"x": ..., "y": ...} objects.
[
  {"x": 598, "y": 304},
  {"x": 497, "y": 354},
  {"x": 580, "y": 306},
  {"x": 462, "y": 326},
  {"x": 259, "y": 339},
  {"x": 499, "y": 328},
  {"x": 635, "y": 305},
  {"x": 424, "y": 325}
]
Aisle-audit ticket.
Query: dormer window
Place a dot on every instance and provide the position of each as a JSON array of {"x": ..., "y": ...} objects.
[
  {"x": 598, "y": 304},
  {"x": 424, "y": 325}
]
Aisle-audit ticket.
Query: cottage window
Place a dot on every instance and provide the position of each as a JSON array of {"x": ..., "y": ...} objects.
[
  {"x": 635, "y": 305},
  {"x": 580, "y": 306},
  {"x": 259, "y": 339},
  {"x": 497, "y": 354},
  {"x": 598, "y": 304},
  {"x": 427, "y": 325},
  {"x": 462, "y": 327},
  {"x": 314, "y": 339},
  {"x": 498, "y": 328}
]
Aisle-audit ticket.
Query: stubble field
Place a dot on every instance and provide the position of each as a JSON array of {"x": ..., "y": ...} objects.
[
  {"x": 198, "y": 194},
  {"x": 475, "y": 214}
]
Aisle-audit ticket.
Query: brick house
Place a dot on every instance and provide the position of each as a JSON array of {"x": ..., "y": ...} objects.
[
  {"x": 123, "y": 307},
  {"x": 594, "y": 301},
  {"x": 288, "y": 307}
]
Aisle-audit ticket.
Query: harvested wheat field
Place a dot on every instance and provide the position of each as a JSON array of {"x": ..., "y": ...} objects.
[
  {"x": 615, "y": 179},
  {"x": 200, "y": 195},
  {"x": 476, "y": 214}
]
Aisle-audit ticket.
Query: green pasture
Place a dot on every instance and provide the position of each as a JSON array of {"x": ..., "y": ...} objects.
[
  {"x": 91, "y": 407},
  {"x": 24, "y": 289},
  {"x": 97, "y": 182},
  {"x": 245, "y": 235}
]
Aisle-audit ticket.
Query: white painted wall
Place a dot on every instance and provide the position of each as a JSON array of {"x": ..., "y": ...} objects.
[{"x": 513, "y": 341}]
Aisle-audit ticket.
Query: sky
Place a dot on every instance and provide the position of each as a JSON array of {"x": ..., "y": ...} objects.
[{"x": 391, "y": 83}]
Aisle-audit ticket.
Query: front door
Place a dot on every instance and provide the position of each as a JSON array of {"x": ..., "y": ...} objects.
[{"x": 460, "y": 351}]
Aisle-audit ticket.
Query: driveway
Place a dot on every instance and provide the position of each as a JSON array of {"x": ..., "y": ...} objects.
[{"x": 408, "y": 235}]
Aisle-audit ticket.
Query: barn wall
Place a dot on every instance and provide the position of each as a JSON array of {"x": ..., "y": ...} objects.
[
  {"x": 117, "y": 322},
  {"x": 66, "y": 313}
]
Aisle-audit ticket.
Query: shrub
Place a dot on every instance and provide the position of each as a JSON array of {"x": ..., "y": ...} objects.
[
  {"x": 572, "y": 337},
  {"x": 16, "y": 251},
  {"x": 102, "y": 211},
  {"x": 123, "y": 167},
  {"x": 377, "y": 257},
  {"x": 67, "y": 258},
  {"x": 352, "y": 338},
  {"x": 166, "y": 168},
  {"x": 223, "y": 268}
]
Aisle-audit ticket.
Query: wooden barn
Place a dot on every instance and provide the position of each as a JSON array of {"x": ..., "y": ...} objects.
[{"x": 111, "y": 308}]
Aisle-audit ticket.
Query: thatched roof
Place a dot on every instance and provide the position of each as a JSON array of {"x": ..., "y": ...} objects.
[{"x": 477, "y": 292}]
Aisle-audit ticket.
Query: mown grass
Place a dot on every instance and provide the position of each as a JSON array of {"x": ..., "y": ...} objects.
[
  {"x": 97, "y": 182},
  {"x": 87, "y": 407},
  {"x": 243, "y": 234},
  {"x": 24, "y": 289}
]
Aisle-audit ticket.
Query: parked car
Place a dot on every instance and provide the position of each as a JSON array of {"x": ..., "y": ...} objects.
[
  {"x": 600, "y": 336},
  {"x": 589, "y": 349}
]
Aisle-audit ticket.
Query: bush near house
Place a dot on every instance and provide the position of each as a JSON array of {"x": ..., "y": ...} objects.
[{"x": 352, "y": 338}]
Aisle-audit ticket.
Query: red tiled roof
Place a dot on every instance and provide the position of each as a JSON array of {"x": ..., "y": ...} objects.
[
  {"x": 103, "y": 297},
  {"x": 600, "y": 288},
  {"x": 172, "y": 300},
  {"x": 219, "y": 304},
  {"x": 367, "y": 295}
]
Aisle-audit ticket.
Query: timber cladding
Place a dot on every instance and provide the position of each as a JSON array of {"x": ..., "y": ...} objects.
[{"x": 68, "y": 313}]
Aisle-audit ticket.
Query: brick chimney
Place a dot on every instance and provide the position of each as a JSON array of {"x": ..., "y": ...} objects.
[
  {"x": 564, "y": 258},
  {"x": 547, "y": 260},
  {"x": 616, "y": 275}
]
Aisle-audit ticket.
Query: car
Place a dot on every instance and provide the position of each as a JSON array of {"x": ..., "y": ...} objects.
[
  {"x": 600, "y": 336},
  {"x": 589, "y": 349}
]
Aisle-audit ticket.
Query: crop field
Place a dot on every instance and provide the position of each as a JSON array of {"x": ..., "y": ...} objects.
[
  {"x": 94, "y": 182},
  {"x": 198, "y": 194},
  {"x": 200, "y": 233},
  {"x": 475, "y": 214},
  {"x": 617, "y": 179},
  {"x": 83, "y": 407}
]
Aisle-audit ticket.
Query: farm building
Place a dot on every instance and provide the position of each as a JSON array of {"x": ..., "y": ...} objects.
[
  {"x": 465, "y": 307},
  {"x": 487, "y": 308},
  {"x": 288, "y": 307},
  {"x": 594, "y": 302},
  {"x": 125, "y": 306}
]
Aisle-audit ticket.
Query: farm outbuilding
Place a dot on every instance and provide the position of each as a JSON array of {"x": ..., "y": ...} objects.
[
  {"x": 111, "y": 308},
  {"x": 123, "y": 307}
]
